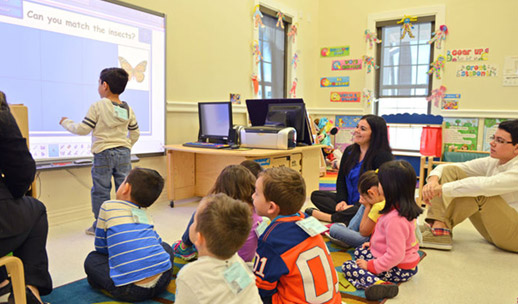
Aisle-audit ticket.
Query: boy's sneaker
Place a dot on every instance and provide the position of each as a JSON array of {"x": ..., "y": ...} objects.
[
  {"x": 90, "y": 230},
  {"x": 384, "y": 290},
  {"x": 187, "y": 253},
  {"x": 436, "y": 239}
]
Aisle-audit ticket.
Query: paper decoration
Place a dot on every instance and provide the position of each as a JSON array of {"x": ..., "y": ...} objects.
[
  {"x": 369, "y": 63},
  {"x": 439, "y": 36},
  {"x": 479, "y": 54},
  {"x": 407, "y": 26},
  {"x": 295, "y": 60},
  {"x": 367, "y": 96},
  {"x": 337, "y": 51},
  {"x": 292, "y": 32},
  {"x": 371, "y": 37},
  {"x": 326, "y": 82},
  {"x": 477, "y": 70},
  {"x": 460, "y": 133},
  {"x": 437, "y": 66},
  {"x": 258, "y": 17},
  {"x": 345, "y": 96},
  {"x": 351, "y": 64},
  {"x": 255, "y": 83},
  {"x": 437, "y": 95},
  {"x": 450, "y": 102},
  {"x": 235, "y": 98},
  {"x": 510, "y": 71},
  {"x": 280, "y": 19},
  {"x": 293, "y": 88},
  {"x": 256, "y": 52}
]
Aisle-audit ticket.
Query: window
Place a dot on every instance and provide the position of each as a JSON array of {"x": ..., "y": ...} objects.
[
  {"x": 402, "y": 81},
  {"x": 272, "y": 67}
]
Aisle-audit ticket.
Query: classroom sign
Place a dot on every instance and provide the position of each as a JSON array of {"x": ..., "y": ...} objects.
[
  {"x": 479, "y": 54},
  {"x": 460, "y": 133},
  {"x": 336, "y": 51},
  {"x": 351, "y": 64},
  {"x": 450, "y": 102},
  {"x": 327, "y": 82},
  {"x": 346, "y": 96},
  {"x": 477, "y": 70}
]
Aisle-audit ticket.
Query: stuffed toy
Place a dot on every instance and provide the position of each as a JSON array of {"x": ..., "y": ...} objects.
[{"x": 325, "y": 128}]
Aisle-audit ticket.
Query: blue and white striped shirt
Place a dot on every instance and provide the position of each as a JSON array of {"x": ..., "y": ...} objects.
[{"x": 126, "y": 234}]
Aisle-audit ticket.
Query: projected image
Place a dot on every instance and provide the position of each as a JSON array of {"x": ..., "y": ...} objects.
[{"x": 53, "y": 60}]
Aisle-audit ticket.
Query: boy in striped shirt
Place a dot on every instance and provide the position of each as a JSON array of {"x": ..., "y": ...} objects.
[{"x": 130, "y": 260}]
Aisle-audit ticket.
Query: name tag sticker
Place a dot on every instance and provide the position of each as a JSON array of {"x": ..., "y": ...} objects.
[
  {"x": 311, "y": 226},
  {"x": 140, "y": 216},
  {"x": 120, "y": 112},
  {"x": 237, "y": 278},
  {"x": 262, "y": 227}
]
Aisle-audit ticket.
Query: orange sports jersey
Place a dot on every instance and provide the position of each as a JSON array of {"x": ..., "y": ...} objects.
[{"x": 293, "y": 267}]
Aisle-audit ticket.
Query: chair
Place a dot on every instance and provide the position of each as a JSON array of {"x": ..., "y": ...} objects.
[
  {"x": 15, "y": 268},
  {"x": 448, "y": 157}
]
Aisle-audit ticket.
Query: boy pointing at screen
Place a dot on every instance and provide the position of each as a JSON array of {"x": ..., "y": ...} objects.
[{"x": 110, "y": 120}]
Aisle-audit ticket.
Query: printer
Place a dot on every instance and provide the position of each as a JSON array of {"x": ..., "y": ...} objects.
[{"x": 268, "y": 137}]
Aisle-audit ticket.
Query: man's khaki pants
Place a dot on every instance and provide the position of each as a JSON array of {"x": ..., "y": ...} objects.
[{"x": 492, "y": 216}]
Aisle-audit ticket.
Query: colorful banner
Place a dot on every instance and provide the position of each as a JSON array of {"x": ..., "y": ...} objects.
[
  {"x": 346, "y": 96},
  {"x": 480, "y": 54},
  {"x": 327, "y": 82},
  {"x": 337, "y": 51},
  {"x": 460, "y": 133},
  {"x": 477, "y": 70},
  {"x": 351, "y": 64},
  {"x": 450, "y": 102}
]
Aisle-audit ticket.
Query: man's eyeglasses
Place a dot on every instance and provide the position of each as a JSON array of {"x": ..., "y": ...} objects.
[{"x": 500, "y": 140}]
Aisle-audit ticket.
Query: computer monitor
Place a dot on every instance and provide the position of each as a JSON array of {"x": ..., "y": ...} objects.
[
  {"x": 215, "y": 119},
  {"x": 258, "y": 110}
]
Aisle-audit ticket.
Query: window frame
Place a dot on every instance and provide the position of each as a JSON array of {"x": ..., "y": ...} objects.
[
  {"x": 287, "y": 21},
  {"x": 379, "y": 49}
]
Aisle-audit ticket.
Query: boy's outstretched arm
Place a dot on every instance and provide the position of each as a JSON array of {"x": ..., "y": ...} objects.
[{"x": 84, "y": 127}]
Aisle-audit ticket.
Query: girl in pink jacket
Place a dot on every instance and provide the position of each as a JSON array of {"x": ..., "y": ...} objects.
[{"x": 391, "y": 256}]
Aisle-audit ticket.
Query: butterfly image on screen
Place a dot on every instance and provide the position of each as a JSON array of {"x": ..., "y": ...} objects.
[{"x": 136, "y": 72}]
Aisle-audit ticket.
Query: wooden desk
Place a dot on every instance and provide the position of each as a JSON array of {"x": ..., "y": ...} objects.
[{"x": 193, "y": 171}]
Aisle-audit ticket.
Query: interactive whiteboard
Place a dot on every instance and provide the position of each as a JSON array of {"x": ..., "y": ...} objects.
[{"x": 50, "y": 58}]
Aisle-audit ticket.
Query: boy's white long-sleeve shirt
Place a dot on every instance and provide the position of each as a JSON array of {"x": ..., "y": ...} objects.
[
  {"x": 109, "y": 129},
  {"x": 486, "y": 177}
]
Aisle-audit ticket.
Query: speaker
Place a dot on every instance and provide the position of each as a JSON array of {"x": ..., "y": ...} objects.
[{"x": 234, "y": 135}]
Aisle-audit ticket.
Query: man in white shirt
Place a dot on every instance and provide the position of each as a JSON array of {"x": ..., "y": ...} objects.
[{"x": 485, "y": 190}]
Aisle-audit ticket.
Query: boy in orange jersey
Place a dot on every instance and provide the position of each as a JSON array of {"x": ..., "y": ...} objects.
[{"x": 292, "y": 263}]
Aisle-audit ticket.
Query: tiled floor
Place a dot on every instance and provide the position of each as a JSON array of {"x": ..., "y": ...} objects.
[{"x": 473, "y": 272}]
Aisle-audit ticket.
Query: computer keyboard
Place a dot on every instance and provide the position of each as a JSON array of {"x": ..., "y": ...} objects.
[{"x": 198, "y": 144}]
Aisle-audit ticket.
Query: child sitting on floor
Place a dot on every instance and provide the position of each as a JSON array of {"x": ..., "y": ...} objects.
[
  {"x": 220, "y": 227},
  {"x": 292, "y": 264},
  {"x": 239, "y": 183},
  {"x": 392, "y": 254},
  {"x": 362, "y": 224},
  {"x": 130, "y": 261}
]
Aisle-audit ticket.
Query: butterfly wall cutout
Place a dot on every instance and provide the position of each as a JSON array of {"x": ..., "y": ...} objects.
[{"x": 136, "y": 72}]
